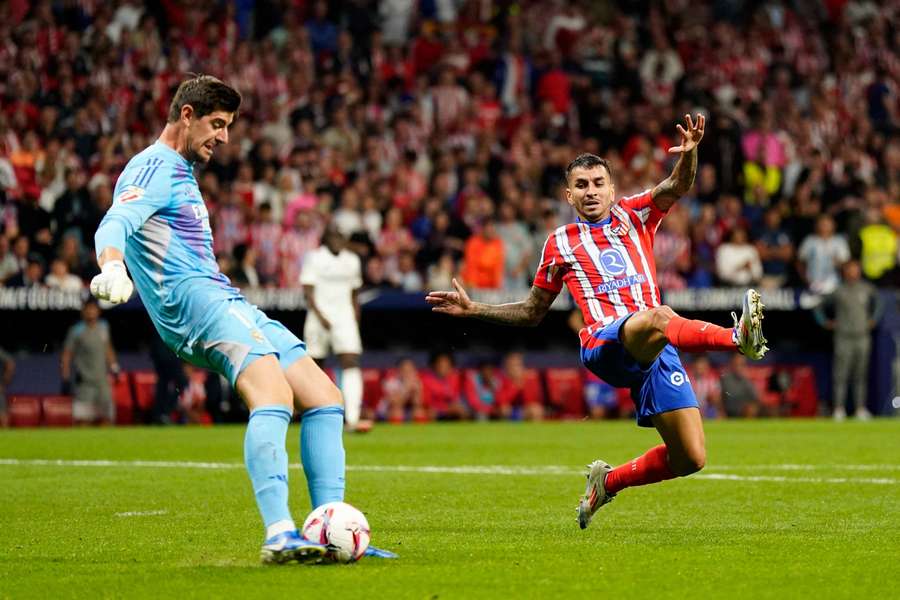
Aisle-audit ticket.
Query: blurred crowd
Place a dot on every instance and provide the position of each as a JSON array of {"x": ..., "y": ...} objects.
[{"x": 433, "y": 134}]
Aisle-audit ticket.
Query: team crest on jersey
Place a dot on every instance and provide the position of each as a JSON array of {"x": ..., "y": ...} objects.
[
  {"x": 130, "y": 194},
  {"x": 623, "y": 226}
]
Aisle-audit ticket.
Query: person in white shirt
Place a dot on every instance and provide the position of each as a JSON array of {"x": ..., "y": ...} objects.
[
  {"x": 821, "y": 254},
  {"x": 60, "y": 278},
  {"x": 737, "y": 260},
  {"x": 331, "y": 278}
]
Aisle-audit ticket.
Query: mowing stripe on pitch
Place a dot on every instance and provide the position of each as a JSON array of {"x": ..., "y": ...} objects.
[{"x": 487, "y": 469}]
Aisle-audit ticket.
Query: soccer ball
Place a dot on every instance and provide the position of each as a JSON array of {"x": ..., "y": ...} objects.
[{"x": 342, "y": 528}]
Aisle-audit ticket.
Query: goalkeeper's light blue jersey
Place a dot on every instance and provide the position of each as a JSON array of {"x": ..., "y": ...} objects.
[{"x": 159, "y": 221}]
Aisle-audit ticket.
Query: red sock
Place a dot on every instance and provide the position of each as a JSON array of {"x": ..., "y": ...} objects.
[
  {"x": 653, "y": 466},
  {"x": 698, "y": 336}
]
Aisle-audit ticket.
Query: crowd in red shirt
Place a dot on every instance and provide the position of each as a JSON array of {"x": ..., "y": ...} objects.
[{"x": 410, "y": 124}]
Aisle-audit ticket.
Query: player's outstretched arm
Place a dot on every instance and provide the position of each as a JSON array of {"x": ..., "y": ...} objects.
[
  {"x": 682, "y": 178},
  {"x": 527, "y": 313}
]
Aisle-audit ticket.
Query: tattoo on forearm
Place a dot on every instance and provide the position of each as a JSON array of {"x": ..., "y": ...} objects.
[
  {"x": 684, "y": 172},
  {"x": 527, "y": 313}
]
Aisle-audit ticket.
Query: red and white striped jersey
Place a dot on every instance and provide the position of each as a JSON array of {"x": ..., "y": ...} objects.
[{"x": 607, "y": 266}]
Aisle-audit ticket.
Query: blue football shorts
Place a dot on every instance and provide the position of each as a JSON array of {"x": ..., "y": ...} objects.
[
  {"x": 661, "y": 387},
  {"x": 236, "y": 333}
]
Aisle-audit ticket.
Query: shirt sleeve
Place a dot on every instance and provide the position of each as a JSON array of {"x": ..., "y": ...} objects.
[
  {"x": 552, "y": 267},
  {"x": 146, "y": 192},
  {"x": 642, "y": 208}
]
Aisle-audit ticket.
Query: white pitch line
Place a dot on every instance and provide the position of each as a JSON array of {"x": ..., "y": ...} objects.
[
  {"x": 485, "y": 469},
  {"x": 142, "y": 513},
  {"x": 778, "y": 479},
  {"x": 800, "y": 467}
]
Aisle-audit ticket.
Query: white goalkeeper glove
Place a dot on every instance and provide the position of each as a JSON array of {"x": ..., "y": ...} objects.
[{"x": 112, "y": 283}]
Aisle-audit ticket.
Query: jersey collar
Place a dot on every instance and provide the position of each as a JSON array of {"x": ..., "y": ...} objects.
[
  {"x": 170, "y": 150},
  {"x": 602, "y": 223}
]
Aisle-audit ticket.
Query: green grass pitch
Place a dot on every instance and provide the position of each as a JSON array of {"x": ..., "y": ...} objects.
[{"x": 784, "y": 509}]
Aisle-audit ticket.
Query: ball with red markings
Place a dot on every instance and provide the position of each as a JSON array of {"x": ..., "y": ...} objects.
[{"x": 341, "y": 527}]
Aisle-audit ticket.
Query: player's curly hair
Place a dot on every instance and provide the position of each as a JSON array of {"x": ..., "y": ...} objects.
[
  {"x": 206, "y": 94},
  {"x": 587, "y": 161}
]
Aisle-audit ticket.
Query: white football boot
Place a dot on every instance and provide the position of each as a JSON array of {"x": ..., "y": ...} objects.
[
  {"x": 595, "y": 494},
  {"x": 747, "y": 333}
]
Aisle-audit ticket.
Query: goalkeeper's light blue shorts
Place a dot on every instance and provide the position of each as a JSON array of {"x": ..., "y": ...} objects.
[
  {"x": 661, "y": 387},
  {"x": 235, "y": 334}
]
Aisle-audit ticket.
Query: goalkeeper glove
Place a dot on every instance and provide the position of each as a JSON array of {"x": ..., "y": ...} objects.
[{"x": 112, "y": 283}]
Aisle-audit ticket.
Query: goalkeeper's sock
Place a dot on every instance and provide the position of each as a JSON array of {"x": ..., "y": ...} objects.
[
  {"x": 351, "y": 388},
  {"x": 651, "y": 467},
  {"x": 267, "y": 463},
  {"x": 322, "y": 453},
  {"x": 698, "y": 336}
]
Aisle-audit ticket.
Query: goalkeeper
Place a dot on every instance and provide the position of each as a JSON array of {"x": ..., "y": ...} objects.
[{"x": 159, "y": 226}]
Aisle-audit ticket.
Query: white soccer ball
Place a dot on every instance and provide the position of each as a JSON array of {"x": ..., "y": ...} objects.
[{"x": 341, "y": 527}]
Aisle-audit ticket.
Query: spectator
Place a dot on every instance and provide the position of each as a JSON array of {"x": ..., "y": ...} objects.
[
  {"x": 441, "y": 274},
  {"x": 737, "y": 260},
  {"x": 265, "y": 236},
  {"x": 878, "y": 255},
  {"x": 32, "y": 276},
  {"x": 481, "y": 389},
  {"x": 672, "y": 250},
  {"x": 518, "y": 398},
  {"x": 87, "y": 358},
  {"x": 601, "y": 398},
  {"x": 409, "y": 279},
  {"x": 775, "y": 249},
  {"x": 296, "y": 244},
  {"x": 740, "y": 397},
  {"x": 707, "y": 387},
  {"x": 403, "y": 394},
  {"x": 9, "y": 369},
  {"x": 21, "y": 251},
  {"x": 192, "y": 399},
  {"x": 59, "y": 277},
  {"x": 9, "y": 266},
  {"x": 855, "y": 309},
  {"x": 516, "y": 249},
  {"x": 442, "y": 389},
  {"x": 484, "y": 257},
  {"x": 820, "y": 254},
  {"x": 393, "y": 240}
]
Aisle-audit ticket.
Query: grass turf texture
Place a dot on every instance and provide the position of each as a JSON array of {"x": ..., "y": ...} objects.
[{"x": 462, "y": 535}]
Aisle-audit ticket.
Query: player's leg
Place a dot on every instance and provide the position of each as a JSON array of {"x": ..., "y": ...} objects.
[
  {"x": 321, "y": 442},
  {"x": 663, "y": 398},
  {"x": 682, "y": 453},
  {"x": 351, "y": 383},
  {"x": 232, "y": 344},
  {"x": 107, "y": 408},
  {"x": 647, "y": 332},
  {"x": 861, "y": 381},
  {"x": 840, "y": 376},
  {"x": 347, "y": 344},
  {"x": 265, "y": 390}
]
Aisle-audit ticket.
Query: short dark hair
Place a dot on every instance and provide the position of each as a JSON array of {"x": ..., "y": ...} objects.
[
  {"x": 587, "y": 161},
  {"x": 206, "y": 94}
]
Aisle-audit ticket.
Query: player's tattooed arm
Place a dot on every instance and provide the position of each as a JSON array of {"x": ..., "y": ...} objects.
[
  {"x": 527, "y": 313},
  {"x": 682, "y": 178}
]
